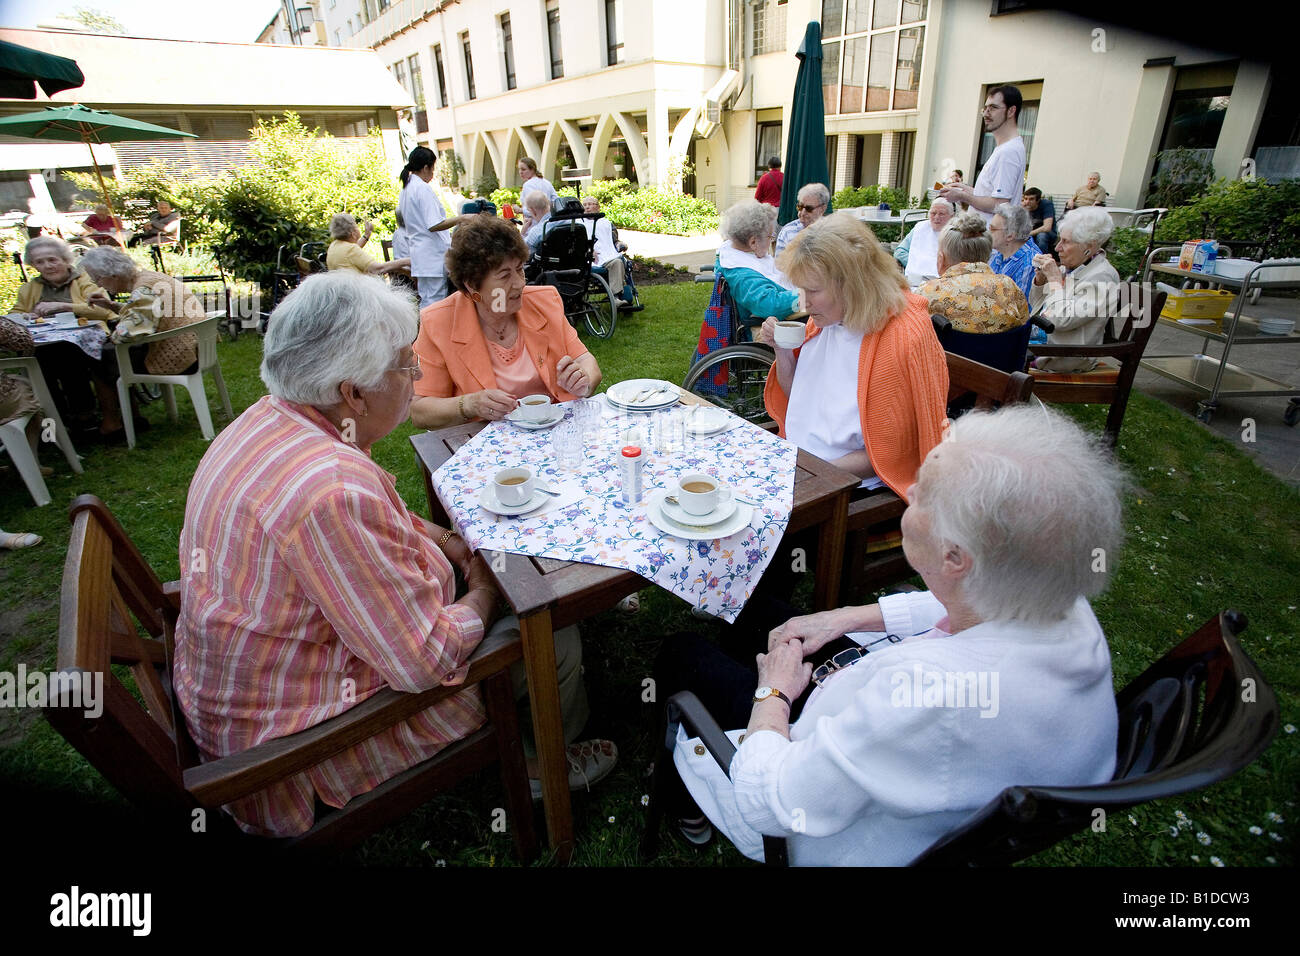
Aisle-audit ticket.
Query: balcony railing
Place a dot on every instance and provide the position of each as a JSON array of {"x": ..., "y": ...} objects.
[{"x": 396, "y": 18}]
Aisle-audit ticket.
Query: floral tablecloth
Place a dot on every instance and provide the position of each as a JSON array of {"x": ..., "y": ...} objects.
[
  {"x": 90, "y": 338},
  {"x": 590, "y": 523}
]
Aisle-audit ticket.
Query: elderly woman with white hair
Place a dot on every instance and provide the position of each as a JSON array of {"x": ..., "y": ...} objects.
[
  {"x": 60, "y": 285},
  {"x": 317, "y": 586},
  {"x": 918, "y": 252},
  {"x": 744, "y": 260},
  {"x": 1079, "y": 295},
  {"x": 346, "y": 252},
  {"x": 998, "y": 675},
  {"x": 968, "y": 293},
  {"x": 538, "y": 207},
  {"x": 810, "y": 205}
]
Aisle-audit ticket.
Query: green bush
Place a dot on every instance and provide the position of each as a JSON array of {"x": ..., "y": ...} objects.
[
  {"x": 506, "y": 194},
  {"x": 1182, "y": 175},
  {"x": 1247, "y": 211},
  {"x": 851, "y": 198},
  {"x": 485, "y": 185},
  {"x": 607, "y": 189},
  {"x": 1125, "y": 251},
  {"x": 134, "y": 196},
  {"x": 655, "y": 209}
]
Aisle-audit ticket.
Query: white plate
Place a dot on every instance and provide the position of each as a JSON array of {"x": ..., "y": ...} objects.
[
  {"x": 488, "y": 499},
  {"x": 737, "y": 522},
  {"x": 707, "y": 421},
  {"x": 516, "y": 418},
  {"x": 715, "y": 517},
  {"x": 622, "y": 393}
]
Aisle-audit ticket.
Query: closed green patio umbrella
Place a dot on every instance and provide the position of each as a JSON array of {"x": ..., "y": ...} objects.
[
  {"x": 805, "y": 149},
  {"x": 75, "y": 123},
  {"x": 21, "y": 68}
]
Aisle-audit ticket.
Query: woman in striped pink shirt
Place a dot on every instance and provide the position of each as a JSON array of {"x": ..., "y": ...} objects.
[{"x": 307, "y": 585}]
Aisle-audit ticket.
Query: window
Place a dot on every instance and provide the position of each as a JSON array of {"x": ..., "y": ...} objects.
[
  {"x": 553, "y": 36},
  {"x": 767, "y": 29},
  {"x": 614, "y": 32},
  {"x": 417, "y": 82},
  {"x": 442, "y": 76},
  {"x": 399, "y": 73},
  {"x": 871, "y": 55},
  {"x": 507, "y": 49},
  {"x": 766, "y": 145},
  {"x": 338, "y": 37},
  {"x": 470, "y": 92}
]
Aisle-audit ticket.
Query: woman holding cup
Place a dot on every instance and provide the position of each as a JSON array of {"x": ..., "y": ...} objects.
[
  {"x": 497, "y": 341},
  {"x": 865, "y": 386}
]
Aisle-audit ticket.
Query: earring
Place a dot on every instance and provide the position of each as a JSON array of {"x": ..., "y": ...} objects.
[{"x": 475, "y": 296}]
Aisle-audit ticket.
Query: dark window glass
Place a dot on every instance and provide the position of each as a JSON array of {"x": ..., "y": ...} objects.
[
  {"x": 832, "y": 17},
  {"x": 855, "y": 70},
  {"x": 469, "y": 67},
  {"x": 913, "y": 10},
  {"x": 614, "y": 31},
  {"x": 417, "y": 82},
  {"x": 767, "y": 145},
  {"x": 907, "y": 80},
  {"x": 830, "y": 75},
  {"x": 508, "y": 51},
  {"x": 553, "y": 33},
  {"x": 442, "y": 76}
]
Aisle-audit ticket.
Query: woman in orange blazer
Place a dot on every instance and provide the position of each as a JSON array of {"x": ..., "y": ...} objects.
[
  {"x": 867, "y": 389},
  {"x": 496, "y": 340}
]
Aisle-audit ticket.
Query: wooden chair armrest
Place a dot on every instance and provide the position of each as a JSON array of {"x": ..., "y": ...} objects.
[
  {"x": 875, "y": 508},
  {"x": 1117, "y": 350},
  {"x": 230, "y": 778}
]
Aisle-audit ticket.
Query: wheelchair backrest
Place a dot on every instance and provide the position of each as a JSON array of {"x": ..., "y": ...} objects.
[{"x": 565, "y": 245}]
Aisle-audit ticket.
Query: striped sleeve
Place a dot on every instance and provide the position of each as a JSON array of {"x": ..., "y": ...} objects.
[{"x": 383, "y": 587}]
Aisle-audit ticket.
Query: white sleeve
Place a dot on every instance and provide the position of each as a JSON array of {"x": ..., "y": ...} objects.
[
  {"x": 1008, "y": 177},
  {"x": 911, "y": 612}
]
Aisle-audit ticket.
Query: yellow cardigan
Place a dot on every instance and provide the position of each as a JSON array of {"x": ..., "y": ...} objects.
[
  {"x": 29, "y": 294},
  {"x": 902, "y": 393}
]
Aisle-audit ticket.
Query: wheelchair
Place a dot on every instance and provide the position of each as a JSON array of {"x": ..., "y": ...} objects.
[
  {"x": 730, "y": 367},
  {"x": 563, "y": 261}
]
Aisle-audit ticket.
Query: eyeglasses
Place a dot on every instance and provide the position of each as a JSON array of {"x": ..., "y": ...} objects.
[
  {"x": 991, "y": 109},
  {"x": 846, "y": 658},
  {"x": 802, "y": 208},
  {"x": 415, "y": 371}
]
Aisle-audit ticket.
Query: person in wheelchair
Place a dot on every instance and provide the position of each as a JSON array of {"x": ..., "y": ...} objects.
[
  {"x": 497, "y": 339},
  {"x": 608, "y": 261},
  {"x": 758, "y": 287},
  {"x": 538, "y": 207},
  {"x": 931, "y": 703}
]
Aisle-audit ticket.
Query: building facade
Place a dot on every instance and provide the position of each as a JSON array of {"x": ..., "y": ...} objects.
[{"x": 637, "y": 89}]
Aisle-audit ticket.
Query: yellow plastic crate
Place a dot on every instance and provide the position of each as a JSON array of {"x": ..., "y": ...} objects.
[{"x": 1197, "y": 304}]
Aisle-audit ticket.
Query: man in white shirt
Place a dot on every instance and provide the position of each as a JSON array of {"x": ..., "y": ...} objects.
[
  {"x": 1003, "y": 177},
  {"x": 607, "y": 259}
]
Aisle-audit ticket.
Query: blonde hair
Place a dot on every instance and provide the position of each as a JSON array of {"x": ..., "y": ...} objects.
[
  {"x": 840, "y": 250},
  {"x": 966, "y": 239}
]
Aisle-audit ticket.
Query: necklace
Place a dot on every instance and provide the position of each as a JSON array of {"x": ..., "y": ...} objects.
[{"x": 499, "y": 333}]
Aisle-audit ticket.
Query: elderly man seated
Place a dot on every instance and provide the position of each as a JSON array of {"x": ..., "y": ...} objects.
[
  {"x": 811, "y": 205},
  {"x": 1092, "y": 193},
  {"x": 164, "y": 226},
  {"x": 918, "y": 252},
  {"x": 608, "y": 261}
]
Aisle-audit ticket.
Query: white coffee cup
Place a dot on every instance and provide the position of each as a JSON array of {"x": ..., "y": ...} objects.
[
  {"x": 535, "y": 408},
  {"x": 514, "y": 486},
  {"x": 700, "y": 494},
  {"x": 789, "y": 333}
]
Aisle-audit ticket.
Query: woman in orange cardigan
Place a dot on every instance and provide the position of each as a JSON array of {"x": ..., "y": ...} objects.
[
  {"x": 867, "y": 389},
  {"x": 497, "y": 340}
]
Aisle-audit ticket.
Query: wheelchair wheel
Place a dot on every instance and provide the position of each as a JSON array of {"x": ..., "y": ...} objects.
[
  {"x": 598, "y": 306},
  {"x": 745, "y": 377}
]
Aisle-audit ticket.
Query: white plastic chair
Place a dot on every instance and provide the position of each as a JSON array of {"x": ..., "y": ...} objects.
[
  {"x": 206, "y": 330},
  {"x": 14, "y": 433}
]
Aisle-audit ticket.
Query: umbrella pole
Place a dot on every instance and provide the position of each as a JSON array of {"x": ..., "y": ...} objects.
[{"x": 98, "y": 175}]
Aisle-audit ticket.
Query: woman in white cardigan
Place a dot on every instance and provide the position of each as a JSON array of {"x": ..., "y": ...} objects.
[
  {"x": 1082, "y": 293},
  {"x": 1002, "y": 675}
]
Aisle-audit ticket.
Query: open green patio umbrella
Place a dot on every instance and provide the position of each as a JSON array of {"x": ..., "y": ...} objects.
[
  {"x": 75, "y": 122},
  {"x": 21, "y": 68},
  {"x": 805, "y": 145}
]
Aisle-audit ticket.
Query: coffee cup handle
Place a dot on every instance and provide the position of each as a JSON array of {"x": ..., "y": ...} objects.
[{"x": 724, "y": 495}]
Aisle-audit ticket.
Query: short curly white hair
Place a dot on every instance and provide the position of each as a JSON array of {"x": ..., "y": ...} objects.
[
  {"x": 1087, "y": 225},
  {"x": 747, "y": 220}
]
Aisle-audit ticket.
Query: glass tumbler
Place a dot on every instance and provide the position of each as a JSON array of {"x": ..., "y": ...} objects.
[{"x": 566, "y": 439}]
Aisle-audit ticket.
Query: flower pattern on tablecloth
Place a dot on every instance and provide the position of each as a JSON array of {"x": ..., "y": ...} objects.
[
  {"x": 89, "y": 338},
  {"x": 599, "y": 528}
]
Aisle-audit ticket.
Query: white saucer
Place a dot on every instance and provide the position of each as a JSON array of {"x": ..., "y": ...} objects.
[
  {"x": 488, "y": 499},
  {"x": 715, "y": 517},
  {"x": 737, "y": 522},
  {"x": 707, "y": 421},
  {"x": 516, "y": 418},
  {"x": 620, "y": 395}
]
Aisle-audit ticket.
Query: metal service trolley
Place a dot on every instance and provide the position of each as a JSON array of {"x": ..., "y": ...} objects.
[{"x": 1215, "y": 377}]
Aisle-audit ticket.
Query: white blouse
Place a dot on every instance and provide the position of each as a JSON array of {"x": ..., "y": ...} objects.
[{"x": 922, "y": 254}]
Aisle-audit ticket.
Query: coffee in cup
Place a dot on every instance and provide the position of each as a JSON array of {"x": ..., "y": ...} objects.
[
  {"x": 789, "y": 332},
  {"x": 535, "y": 408},
  {"x": 700, "y": 494},
  {"x": 514, "y": 486}
]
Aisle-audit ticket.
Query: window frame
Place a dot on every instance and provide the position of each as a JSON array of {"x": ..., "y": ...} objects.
[
  {"x": 440, "y": 73},
  {"x": 554, "y": 39},
  {"x": 467, "y": 60}
]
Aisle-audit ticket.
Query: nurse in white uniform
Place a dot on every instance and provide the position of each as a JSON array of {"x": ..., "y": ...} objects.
[{"x": 421, "y": 213}]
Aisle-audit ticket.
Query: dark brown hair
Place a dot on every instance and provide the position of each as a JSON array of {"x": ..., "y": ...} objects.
[{"x": 479, "y": 246}]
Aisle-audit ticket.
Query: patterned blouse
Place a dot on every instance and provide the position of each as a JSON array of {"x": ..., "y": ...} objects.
[{"x": 975, "y": 299}]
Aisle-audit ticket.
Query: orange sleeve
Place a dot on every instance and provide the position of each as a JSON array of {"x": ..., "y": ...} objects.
[{"x": 435, "y": 380}]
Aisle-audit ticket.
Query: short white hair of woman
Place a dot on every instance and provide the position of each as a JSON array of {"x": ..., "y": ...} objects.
[
  {"x": 104, "y": 262},
  {"x": 747, "y": 220},
  {"x": 966, "y": 239},
  {"x": 1087, "y": 225},
  {"x": 342, "y": 225},
  {"x": 817, "y": 192},
  {"x": 336, "y": 327},
  {"x": 1035, "y": 501},
  {"x": 54, "y": 243},
  {"x": 941, "y": 201},
  {"x": 537, "y": 202},
  {"x": 1018, "y": 222}
]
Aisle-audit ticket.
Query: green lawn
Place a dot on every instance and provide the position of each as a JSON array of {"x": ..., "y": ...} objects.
[{"x": 1207, "y": 530}]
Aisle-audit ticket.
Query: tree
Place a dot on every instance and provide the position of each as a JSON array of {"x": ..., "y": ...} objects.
[{"x": 96, "y": 21}]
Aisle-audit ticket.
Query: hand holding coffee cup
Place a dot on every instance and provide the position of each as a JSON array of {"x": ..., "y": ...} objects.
[
  {"x": 535, "y": 408},
  {"x": 1046, "y": 269},
  {"x": 514, "y": 486},
  {"x": 789, "y": 332},
  {"x": 700, "y": 494}
]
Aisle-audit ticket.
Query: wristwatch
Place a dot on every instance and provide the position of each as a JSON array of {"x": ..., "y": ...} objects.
[{"x": 763, "y": 693}]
